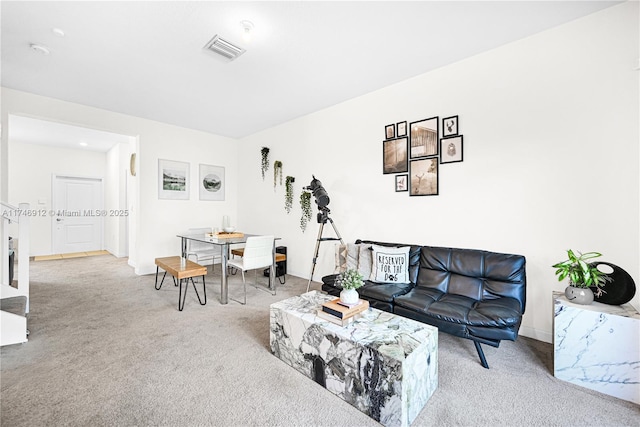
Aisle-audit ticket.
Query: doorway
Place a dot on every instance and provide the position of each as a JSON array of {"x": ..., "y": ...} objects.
[{"x": 78, "y": 215}]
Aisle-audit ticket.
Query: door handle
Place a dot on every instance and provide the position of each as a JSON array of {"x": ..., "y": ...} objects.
[{"x": 59, "y": 219}]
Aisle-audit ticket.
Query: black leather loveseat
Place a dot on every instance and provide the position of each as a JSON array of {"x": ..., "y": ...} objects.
[{"x": 473, "y": 294}]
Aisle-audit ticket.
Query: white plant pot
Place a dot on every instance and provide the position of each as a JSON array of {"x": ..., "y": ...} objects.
[
  {"x": 349, "y": 296},
  {"x": 579, "y": 295}
]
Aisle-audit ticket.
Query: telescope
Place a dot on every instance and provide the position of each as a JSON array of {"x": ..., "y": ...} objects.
[{"x": 322, "y": 198}]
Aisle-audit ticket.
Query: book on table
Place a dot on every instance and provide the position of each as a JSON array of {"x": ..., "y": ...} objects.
[
  {"x": 342, "y": 311},
  {"x": 333, "y": 319}
]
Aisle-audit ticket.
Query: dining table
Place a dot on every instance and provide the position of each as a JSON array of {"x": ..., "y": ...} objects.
[{"x": 224, "y": 241}]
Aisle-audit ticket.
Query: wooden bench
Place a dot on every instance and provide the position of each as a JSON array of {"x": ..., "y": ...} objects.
[{"x": 181, "y": 269}]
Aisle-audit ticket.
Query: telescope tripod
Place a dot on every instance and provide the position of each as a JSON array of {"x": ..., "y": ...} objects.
[{"x": 324, "y": 220}]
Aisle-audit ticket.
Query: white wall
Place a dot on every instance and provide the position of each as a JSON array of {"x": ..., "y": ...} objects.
[
  {"x": 30, "y": 172},
  {"x": 550, "y": 127},
  {"x": 117, "y": 170},
  {"x": 156, "y": 222}
]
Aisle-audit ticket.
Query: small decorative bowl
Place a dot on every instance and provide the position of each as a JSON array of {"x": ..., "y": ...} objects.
[{"x": 229, "y": 229}]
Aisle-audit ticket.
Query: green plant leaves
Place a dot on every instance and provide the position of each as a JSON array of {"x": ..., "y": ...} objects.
[{"x": 580, "y": 273}]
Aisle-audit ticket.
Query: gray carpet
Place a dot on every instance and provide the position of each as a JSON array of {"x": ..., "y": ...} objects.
[{"x": 107, "y": 349}]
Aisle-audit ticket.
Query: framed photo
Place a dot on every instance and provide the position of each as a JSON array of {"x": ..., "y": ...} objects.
[
  {"x": 451, "y": 149},
  {"x": 390, "y": 131},
  {"x": 450, "y": 126},
  {"x": 424, "y": 177},
  {"x": 173, "y": 180},
  {"x": 402, "y": 182},
  {"x": 211, "y": 184},
  {"x": 394, "y": 156},
  {"x": 402, "y": 129},
  {"x": 424, "y": 138}
]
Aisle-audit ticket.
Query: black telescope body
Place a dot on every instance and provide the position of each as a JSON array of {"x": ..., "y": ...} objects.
[{"x": 320, "y": 194}]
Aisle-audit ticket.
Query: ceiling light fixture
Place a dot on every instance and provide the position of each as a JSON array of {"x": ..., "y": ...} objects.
[
  {"x": 58, "y": 32},
  {"x": 39, "y": 48},
  {"x": 83, "y": 144},
  {"x": 224, "y": 47},
  {"x": 248, "y": 27}
]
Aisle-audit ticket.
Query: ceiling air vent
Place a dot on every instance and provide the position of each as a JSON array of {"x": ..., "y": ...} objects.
[{"x": 223, "y": 47}]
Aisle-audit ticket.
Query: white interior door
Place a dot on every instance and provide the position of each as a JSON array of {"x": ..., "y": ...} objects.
[{"x": 78, "y": 215}]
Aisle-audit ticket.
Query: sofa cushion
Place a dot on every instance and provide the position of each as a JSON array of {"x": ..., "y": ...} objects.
[
  {"x": 353, "y": 253},
  {"x": 365, "y": 260},
  {"x": 341, "y": 259},
  {"x": 498, "y": 313},
  {"x": 390, "y": 265},
  {"x": 383, "y": 291},
  {"x": 476, "y": 274}
]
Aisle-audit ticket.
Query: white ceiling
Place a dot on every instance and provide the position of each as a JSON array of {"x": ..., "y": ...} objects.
[
  {"x": 33, "y": 131},
  {"x": 146, "y": 58}
]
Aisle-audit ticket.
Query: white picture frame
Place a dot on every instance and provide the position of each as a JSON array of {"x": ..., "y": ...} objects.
[
  {"x": 211, "y": 185},
  {"x": 173, "y": 180}
]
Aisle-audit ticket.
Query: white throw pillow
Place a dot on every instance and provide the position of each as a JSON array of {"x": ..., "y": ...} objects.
[
  {"x": 390, "y": 265},
  {"x": 365, "y": 260},
  {"x": 353, "y": 252}
]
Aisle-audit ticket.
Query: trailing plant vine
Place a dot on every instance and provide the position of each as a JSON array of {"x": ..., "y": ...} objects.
[
  {"x": 265, "y": 160},
  {"x": 288, "y": 195},
  {"x": 305, "y": 205},
  {"x": 277, "y": 172}
]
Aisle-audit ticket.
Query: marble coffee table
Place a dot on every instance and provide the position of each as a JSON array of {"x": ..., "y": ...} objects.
[{"x": 383, "y": 364}]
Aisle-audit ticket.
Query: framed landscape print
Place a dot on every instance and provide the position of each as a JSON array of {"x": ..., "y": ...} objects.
[
  {"x": 424, "y": 177},
  {"x": 211, "y": 183},
  {"x": 450, "y": 126},
  {"x": 451, "y": 149},
  {"x": 424, "y": 138},
  {"x": 173, "y": 180},
  {"x": 402, "y": 182},
  {"x": 394, "y": 156},
  {"x": 389, "y": 131}
]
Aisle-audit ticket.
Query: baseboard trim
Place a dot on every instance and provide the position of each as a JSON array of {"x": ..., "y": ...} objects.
[{"x": 536, "y": 334}]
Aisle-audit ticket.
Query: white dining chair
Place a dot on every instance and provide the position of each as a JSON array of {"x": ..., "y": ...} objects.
[
  {"x": 201, "y": 251},
  {"x": 258, "y": 254}
]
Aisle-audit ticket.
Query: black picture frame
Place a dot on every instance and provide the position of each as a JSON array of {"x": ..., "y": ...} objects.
[
  {"x": 424, "y": 177},
  {"x": 451, "y": 149},
  {"x": 394, "y": 156},
  {"x": 450, "y": 126},
  {"x": 402, "y": 182},
  {"x": 401, "y": 129},
  {"x": 390, "y": 131},
  {"x": 423, "y": 138}
]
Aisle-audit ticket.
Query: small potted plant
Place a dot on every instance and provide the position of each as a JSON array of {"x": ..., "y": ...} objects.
[
  {"x": 582, "y": 277},
  {"x": 264, "y": 153},
  {"x": 305, "y": 205},
  {"x": 350, "y": 280},
  {"x": 288, "y": 195}
]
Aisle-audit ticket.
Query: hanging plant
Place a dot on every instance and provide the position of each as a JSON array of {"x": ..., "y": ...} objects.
[
  {"x": 265, "y": 160},
  {"x": 288, "y": 194},
  {"x": 277, "y": 172},
  {"x": 305, "y": 204}
]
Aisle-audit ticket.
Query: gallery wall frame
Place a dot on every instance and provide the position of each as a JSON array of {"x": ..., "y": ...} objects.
[
  {"x": 450, "y": 126},
  {"x": 211, "y": 185},
  {"x": 402, "y": 183},
  {"x": 401, "y": 129},
  {"x": 390, "y": 131},
  {"x": 424, "y": 175},
  {"x": 173, "y": 180},
  {"x": 423, "y": 138},
  {"x": 451, "y": 149},
  {"x": 394, "y": 156}
]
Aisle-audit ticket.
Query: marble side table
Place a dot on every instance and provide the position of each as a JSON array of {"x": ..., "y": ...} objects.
[
  {"x": 597, "y": 346},
  {"x": 383, "y": 364}
]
